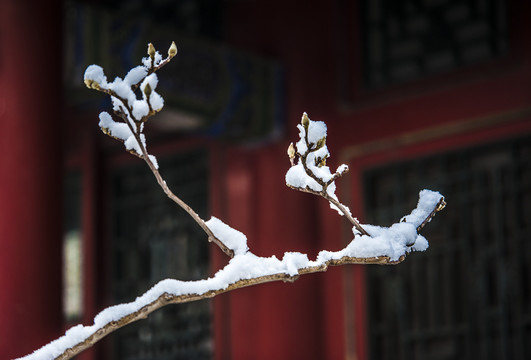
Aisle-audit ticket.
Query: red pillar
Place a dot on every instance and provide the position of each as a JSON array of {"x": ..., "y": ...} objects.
[{"x": 30, "y": 175}]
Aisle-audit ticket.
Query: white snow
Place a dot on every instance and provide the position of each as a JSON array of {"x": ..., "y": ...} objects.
[
  {"x": 152, "y": 80},
  {"x": 232, "y": 238},
  {"x": 296, "y": 177},
  {"x": 427, "y": 202},
  {"x": 392, "y": 242},
  {"x": 118, "y": 130},
  {"x": 156, "y": 101},
  {"x": 158, "y": 58},
  {"x": 140, "y": 109},
  {"x": 147, "y": 60},
  {"x": 341, "y": 169},
  {"x": 301, "y": 144},
  {"x": 123, "y": 90},
  {"x": 421, "y": 244},
  {"x": 293, "y": 261},
  {"x": 95, "y": 73},
  {"x": 316, "y": 131},
  {"x": 135, "y": 75}
]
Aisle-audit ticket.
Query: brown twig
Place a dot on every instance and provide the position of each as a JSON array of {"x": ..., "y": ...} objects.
[{"x": 166, "y": 189}]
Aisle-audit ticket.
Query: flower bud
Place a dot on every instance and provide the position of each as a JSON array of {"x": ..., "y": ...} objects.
[
  {"x": 320, "y": 143},
  {"x": 305, "y": 121},
  {"x": 92, "y": 84},
  {"x": 172, "y": 51},
  {"x": 291, "y": 151},
  {"x": 151, "y": 51},
  {"x": 147, "y": 90}
]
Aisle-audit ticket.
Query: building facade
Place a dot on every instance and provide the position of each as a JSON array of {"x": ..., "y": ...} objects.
[{"x": 416, "y": 94}]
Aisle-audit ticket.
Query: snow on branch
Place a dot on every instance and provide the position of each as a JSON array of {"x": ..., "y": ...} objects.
[
  {"x": 311, "y": 174},
  {"x": 384, "y": 246},
  {"x": 134, "y": 111},
  {"x": 370, "y": 244}
]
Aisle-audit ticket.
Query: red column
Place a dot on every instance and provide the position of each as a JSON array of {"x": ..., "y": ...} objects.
[{"x": 30, "y": 175}]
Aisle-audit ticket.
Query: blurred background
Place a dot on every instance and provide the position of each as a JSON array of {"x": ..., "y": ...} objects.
[{"x": 416, "y": 94}]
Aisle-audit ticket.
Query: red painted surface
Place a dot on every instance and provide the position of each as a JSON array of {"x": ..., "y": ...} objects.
[{"x": 30, "y": 175}]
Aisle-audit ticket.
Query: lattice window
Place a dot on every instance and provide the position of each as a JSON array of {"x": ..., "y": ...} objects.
[
  {"x": 406, "y": 40},
  {"x": 469, "y": 295},
  {"x": 153, "y": 239}
]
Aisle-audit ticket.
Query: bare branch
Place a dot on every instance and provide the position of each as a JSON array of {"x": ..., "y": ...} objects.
[{"x": 186, "y": 207}]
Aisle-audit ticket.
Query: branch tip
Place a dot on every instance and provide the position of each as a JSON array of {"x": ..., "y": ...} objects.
[
  {"x": 151, "y": 51},
  {"x": 172, "y": 51}
]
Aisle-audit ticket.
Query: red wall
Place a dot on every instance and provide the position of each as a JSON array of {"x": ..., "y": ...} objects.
[{"x": 30, "y": 175}]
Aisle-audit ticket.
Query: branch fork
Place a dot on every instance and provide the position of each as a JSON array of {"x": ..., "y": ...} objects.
[
  {"x": 135, "y": 112},
  {"x": 311, "y": 174}
]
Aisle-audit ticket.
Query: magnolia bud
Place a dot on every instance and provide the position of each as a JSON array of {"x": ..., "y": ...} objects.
[
  {"x": 305, "y": 121},
  {"x": 320, "y": 143},
  {"x": 92, "y": 84},
  {"x": 151, "y": 51},
  {"x": 147, "y": 90},
  {"x": 172, "y": 51},
  {"x": 291, "y": 153}
]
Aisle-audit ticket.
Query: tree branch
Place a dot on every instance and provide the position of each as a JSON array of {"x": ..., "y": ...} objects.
[
  {"x": 309, "y": 148},
  {"x": 167, "y": 190},
  {"x": 440, "y": 205},
  {"x": 371, "y": 245},
  {"x": 166, "y": 299},
  {"x": 128, "y": 117},
  {"x": 170, "y": 291}
]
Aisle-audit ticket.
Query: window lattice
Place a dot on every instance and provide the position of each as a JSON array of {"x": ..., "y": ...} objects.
[
  {"x": 469, "y": 295},
  {"x": 406, "y": 40},
  {"x": 154, "y": 239}
]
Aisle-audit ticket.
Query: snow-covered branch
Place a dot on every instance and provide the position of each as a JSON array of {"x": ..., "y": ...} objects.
[
  {"x": 311, "y": 174},
  {"x": 369, "y": 245},
  {"x": 134, "y": 112},
  {"x": 383, "y": 246}
]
